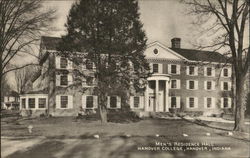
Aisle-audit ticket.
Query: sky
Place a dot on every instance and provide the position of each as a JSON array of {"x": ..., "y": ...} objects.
[{"x": 162, "y": 19}]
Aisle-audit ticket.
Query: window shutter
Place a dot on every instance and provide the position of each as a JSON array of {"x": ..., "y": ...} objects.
[
  {"x": 118, "y": 102},
  {"x": 151, "y": 67},
  {"x": 178, "y": 69},
  {"x": 205, "y": 85},
  {"x": 108, "y": 101},
  {"x": 70, "y": 101},
  {"x": 222, "y": 103},
  {"x": 187, "y": 70},
  {"x": 58, "y": 102},
  {"x": 196, "y": 85},
  {"x": 213, "y": 102},
  {"x": 70, "y": 64},
  {"x": 58, "y": 80},
  {"x": 160, "y": 68},
  {"x": 84, "y": 101},
  {"x": 213, "y": 71},
  {"x": 178, "y": 82},
  {"x": 178, "y": 102},
  {"x": 229, "y": 86},
  {"x": 229, "y": 72},
  {"x": 141, "y": 102},
  {"x": 221, "y": 85},
  {"x": 131, "y": 102},
  {"x": 57, "y": 62},
  {"x": 169, "y": 68},
  {"x": 229, "y": 102},
  {"x": 196, "y": 102},
  {"x": 187, "y": 102},
  {"x": 95, "y": 101},
  {"x": 205, "y": 71},
  {"x": 187, "y": 84},
  {"x": 196, "y": 70},
  {"x": 205, "y": 102},
  {"x": 213, "y": 85},
  {"x": 70, "y": 79}
]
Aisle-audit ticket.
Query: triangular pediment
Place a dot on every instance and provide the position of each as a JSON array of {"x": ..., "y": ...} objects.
[{"x": 156, "y": 50}]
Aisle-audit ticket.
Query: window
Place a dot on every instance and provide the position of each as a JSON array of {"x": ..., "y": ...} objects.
[
  {"x": 225, "y": 86},
  {"x": 209, "y": 85},
  {"x": 155, "y": 68},
  {"x": 63, "y": 63},
  {"x": 173, "y": 69},
  {"x": 225, "y": 103},
  {"x": 23, "y": 103},
  {"x": 191, "y": 70},
  {"x": 89, "y": 80},
  {"x": 173, "y": 84},
  {"x": 41, "y": 102},
  {"x": 113, "y": 101},
  {"x": 225, "y": 72},
  {"x": 31, "y": 102},
  {"x": 209, "y": 102},
  {"x": 191, "y": 84},
  {"x": 90, "y": 102},
  {"x": 64, "y": 80},
  {"x": 136, "y": 102},
  {"x": 64, "y": 101},
  {"x": 191, "y": 102},
  {"x": 209, "y": 71},
  {"x": 89, "y": 64},
  {"x": 173, "y": 102}
]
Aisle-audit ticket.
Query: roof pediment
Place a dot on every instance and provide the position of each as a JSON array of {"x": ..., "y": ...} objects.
[{"x": 156, "y": 50}]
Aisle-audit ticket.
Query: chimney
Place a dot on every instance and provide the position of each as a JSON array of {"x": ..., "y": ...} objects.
[{"x": 176, "y": 42}]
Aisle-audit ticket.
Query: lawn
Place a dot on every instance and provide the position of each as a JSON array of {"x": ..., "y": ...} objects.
[{"x": 70, "y": 137}]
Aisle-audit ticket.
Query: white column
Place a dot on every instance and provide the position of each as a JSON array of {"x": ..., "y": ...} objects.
[
  {"x": 157, "y": 95},
  {"x": 166, "y": 96},
  {"x": 146, "y": 98}
]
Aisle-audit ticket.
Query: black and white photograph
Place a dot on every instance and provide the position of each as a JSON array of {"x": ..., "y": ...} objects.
[{"x": 125, "y": 78}]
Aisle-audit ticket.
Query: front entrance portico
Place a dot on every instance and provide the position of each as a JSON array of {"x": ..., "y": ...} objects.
[{"x": 157, "y": 92}]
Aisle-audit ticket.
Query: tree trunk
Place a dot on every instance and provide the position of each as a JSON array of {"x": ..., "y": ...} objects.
[
  {"x": 239, "y": 109},
  {"x": 103, "y": 107}
]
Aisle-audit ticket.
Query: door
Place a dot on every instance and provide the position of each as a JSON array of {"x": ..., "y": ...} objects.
[{"x": 151, "y": 103}]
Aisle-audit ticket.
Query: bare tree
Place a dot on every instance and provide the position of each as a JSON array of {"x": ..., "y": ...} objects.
[
  {"x": 230, "y": 22},
  {"x": 21, "y": 23},
  {"x": 23, "y": 77}
]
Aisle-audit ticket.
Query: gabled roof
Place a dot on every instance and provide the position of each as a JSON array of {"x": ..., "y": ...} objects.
[
  {"x": 200, "y": 55},
  {"x": 157, "y": 43},
  {"x": 50, "y": 43}
]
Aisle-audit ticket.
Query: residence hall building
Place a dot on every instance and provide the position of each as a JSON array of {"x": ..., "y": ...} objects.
[{"x": 183, "y": 80}]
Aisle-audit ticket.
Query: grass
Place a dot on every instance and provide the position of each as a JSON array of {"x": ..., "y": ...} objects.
[{"x": 70, "y": 137}]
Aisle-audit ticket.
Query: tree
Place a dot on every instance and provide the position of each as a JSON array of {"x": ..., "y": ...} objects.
[
  {"x": 230, "y": 22},
  {"x": 21, "y": 22},
  {"x": 23, "y": 78},
  {"x": 109, "y": 34}
]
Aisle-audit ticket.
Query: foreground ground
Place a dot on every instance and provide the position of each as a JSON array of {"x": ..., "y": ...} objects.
[{"x": 68, "y": 137}]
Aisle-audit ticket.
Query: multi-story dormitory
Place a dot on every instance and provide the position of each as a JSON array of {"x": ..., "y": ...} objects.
[{"x": 183, "y": 80}]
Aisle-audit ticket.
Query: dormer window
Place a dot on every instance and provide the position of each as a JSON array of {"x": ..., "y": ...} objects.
[{"x": 63, "y": 63}]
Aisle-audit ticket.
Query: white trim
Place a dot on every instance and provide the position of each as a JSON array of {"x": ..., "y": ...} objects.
[
  {"x": 195, "y": 102},
  {"x": 58, "y": 102},
  {"x": 36, "y": 97},
  {"x": 166, "y": 48},
  {"x": 178, "y": 71},
  {"x": 212, "y": 103},
  {"x": 229, "y": 103},
  {"x": 196, "y": 85},
  {"x": 195, "y": 70}
]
